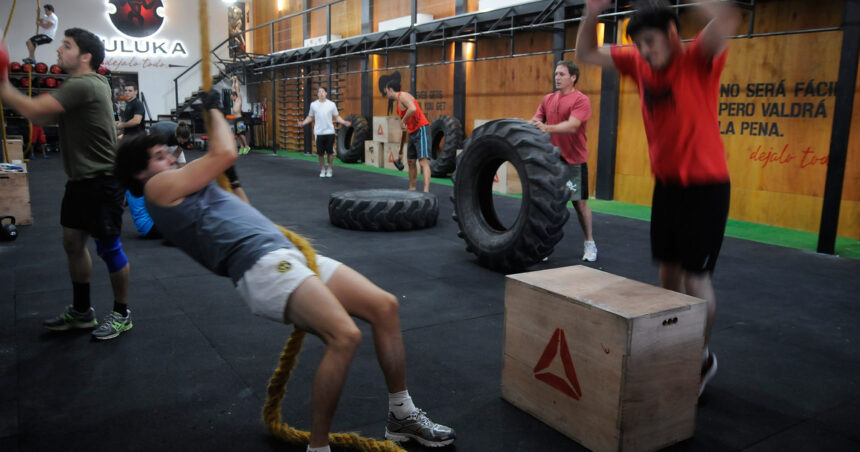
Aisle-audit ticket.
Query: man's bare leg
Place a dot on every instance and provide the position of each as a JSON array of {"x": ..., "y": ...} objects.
[
  {"x": 313, "y": 307},
  {"x": 425, "y": 170},
  {"x": 413, "y": 174},
  {"x": 365, "y": 300}
]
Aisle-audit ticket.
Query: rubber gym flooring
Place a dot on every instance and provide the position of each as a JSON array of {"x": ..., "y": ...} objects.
[{"x": 192, "y": 373}]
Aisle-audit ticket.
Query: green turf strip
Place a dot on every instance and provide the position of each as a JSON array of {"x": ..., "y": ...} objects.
[{"x": 745, "y": 230}]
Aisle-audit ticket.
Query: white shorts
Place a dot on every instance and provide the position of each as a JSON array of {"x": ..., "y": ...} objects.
[{"x": 267, "y": 285}]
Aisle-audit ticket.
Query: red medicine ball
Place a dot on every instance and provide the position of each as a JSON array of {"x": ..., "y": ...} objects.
[
  {"x": 56, "y": 69},
  {"x": 51, "y": 82},
  {"x": 15, "y": 66},
  {"x": 25, "y": 82},
  {"x": 41, "y": 68},
  {"x": 27, "y": 67}
]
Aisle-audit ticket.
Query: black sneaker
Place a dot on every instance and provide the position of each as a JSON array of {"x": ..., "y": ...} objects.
[{"x": 72, "y": 319}]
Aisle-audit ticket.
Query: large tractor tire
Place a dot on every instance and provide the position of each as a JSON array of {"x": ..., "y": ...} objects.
[
  {"x": 350, "y": 140},
  {"x": 444, "y": 153},
  {"x": 383, "y": 210},
  {"x": 543, "y": 210}
]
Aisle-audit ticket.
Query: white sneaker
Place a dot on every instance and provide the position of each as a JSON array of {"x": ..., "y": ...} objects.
[
  {"x": 590, "y": 252},
  {"x": 322, "y": 173},
  {"x": 328, "y": 172}
]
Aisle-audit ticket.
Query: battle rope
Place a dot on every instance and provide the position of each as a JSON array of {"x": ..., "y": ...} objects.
[
  {"x": 2, "y": 111},
  {"x": 278, "y": 383}
]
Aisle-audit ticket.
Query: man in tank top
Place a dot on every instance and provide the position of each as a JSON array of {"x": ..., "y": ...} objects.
[{"x": 233, "y": 239}]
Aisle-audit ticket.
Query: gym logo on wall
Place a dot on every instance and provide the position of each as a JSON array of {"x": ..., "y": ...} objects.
[
  {"x": 557, "y": 345},
  {"x": 136, "y": 18}
]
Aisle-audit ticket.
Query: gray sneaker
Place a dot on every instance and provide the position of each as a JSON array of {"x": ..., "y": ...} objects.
[
  {"x": 72, "y": 319},
  {"x": 113, "y": 325},
  {"x": 419, "y": 427}
]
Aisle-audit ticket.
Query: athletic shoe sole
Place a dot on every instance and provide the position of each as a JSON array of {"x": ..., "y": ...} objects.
[
  {"x": 68, "y": 327},
  {"x": 403, "y": 437}
]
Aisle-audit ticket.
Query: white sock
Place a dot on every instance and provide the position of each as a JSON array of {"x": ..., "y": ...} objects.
[
  {"x": 400, "y": 404},
  {"x": 319, "y": 449}
]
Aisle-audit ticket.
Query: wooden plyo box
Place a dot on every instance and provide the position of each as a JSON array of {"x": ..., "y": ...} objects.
[
  {"x": 507, "y": 180},
  {"x": 389, "y": 155},
  {"x": 612, "y": 363},
  {"x": 386, "y": 129},
  {"x": 15, "y": 196},
  {"x": 16, "y": 150},
  {"x": 373, "y": 153}
]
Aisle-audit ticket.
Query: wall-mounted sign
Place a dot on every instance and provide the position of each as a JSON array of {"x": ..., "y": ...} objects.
[
  {"x": 139, "y": 19},
  {"x": 136, "y": 18}
]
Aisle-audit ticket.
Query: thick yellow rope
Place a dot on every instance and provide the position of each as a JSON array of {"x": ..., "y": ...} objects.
[
  {"x": 278, "y": 383},
  {"x": 2, "y": 112}
]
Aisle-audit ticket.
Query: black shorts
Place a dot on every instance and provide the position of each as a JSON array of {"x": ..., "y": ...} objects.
[
  {"x": 688, "y": 224},
  {"x": 325, "y": 144},
  {"x": 418, "y": 146},
  {"x": 40, "y": 39},
  {"x": 93, "y": 205}
]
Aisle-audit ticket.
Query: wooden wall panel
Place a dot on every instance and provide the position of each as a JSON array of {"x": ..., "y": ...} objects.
[
  {"x": 345, "y": 18},
  {"x": 378, "y": 63},
  {"x": 508, "y": 87},
  {"x": 391, "y": 9},
  {"x": 784, "y": 15},
  {"x": 350, "y": 98},
  {"x": 435, "y": 84}
]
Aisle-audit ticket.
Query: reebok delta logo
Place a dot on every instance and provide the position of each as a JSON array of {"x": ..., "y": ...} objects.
[
  {"x": 284, "y": 266},
  {"x": 569, "y": 385}
]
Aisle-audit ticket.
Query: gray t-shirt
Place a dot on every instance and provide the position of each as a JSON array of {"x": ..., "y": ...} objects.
[
  {"x": 87, "y": 128},
  {"x": 219, "y": 231}
]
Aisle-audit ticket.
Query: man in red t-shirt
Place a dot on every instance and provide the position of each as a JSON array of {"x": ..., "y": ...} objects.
[
  {"x": 564, "y": 114},
  {"x": 679, "y": 88},
  {"x": 412, "y": 119}
]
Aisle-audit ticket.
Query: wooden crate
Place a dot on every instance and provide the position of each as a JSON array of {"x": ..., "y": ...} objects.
[
  {"x": 15, "y": 196},
  {"x": 373, "y": 153},
  {"x": 386, "y": 129},
  {"x": 390, "y": 151},
  {"x": 507, "y": 180},
  {"x": 15, "y": 149},
  {"x": 612, "y": 363}
]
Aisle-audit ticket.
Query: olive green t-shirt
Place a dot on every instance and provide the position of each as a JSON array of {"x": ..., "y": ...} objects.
[{"x": 87, "y": 127}]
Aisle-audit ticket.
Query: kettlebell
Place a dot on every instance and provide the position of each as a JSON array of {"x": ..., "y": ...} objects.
[{"x": 8, "y": 232}]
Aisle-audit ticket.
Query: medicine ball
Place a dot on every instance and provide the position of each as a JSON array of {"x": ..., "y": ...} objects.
[
  {"x": 56, "y": 69},
  {"x": 51, "y": 82},
  {"x": 8, "y": 232},
  {"x": 25, "y": 82},
  {"x": 15, "y": 66},
  {"x": 27, "y": 67},
  {"x": 41, "y": 68}
]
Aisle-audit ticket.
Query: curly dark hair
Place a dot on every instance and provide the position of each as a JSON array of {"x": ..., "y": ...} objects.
[
  {"x": 656, "y": 14},
  {"x": 132, "y": 157}
]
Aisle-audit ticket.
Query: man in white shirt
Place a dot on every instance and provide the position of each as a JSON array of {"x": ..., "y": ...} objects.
[
  {"x": 321, "y": 113},
  {"x": 47, "y": 24}
]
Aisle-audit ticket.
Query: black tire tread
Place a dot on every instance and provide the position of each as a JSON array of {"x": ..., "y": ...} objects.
[
  {"x": 354, "y": 153},
  {"x": 445, "y": 163},
  {"x": 383, "y": 210},
  {"x": 545, "y": 197}
]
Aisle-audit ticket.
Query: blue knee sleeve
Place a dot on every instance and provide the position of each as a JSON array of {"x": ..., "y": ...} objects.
[{"x": 110, "y": 250}]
